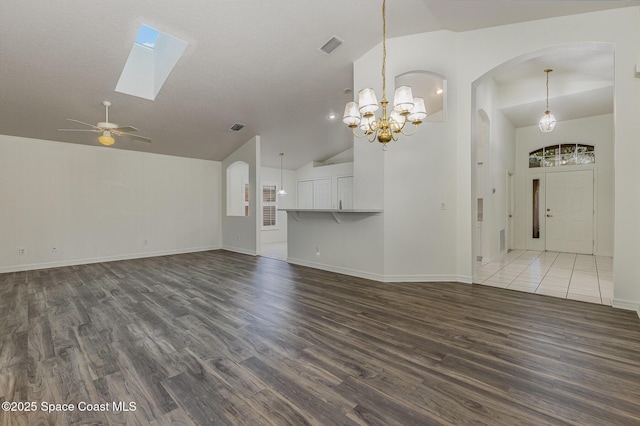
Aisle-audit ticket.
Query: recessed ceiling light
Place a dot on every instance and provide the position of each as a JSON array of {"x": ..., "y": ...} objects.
[
  {"x": 439, "y": 91},
  {"x": 332, "y": 116}
]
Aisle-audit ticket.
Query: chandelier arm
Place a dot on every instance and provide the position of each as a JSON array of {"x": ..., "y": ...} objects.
[
  {"x": 415, "y": 129},
  {"x": 356, "y": 134},
  {"x": 372, "y": 136}
]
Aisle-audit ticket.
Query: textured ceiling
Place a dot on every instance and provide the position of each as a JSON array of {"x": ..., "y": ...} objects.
[{"x": 248, "y": 61}]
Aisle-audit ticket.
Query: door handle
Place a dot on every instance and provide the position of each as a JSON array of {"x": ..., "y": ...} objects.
[{"x": 549, "y": 215}]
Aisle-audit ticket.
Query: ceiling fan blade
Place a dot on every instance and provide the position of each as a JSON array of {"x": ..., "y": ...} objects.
[
  {"x": 82, "y": 122},
  {"x": 130, "y": 136},
  {"x": 125, "y": 129},
  {"x": 79, "y": 130}
]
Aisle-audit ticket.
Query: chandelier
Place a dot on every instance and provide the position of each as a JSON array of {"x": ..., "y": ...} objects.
[
  {"x": 548, "y": 121},
  {"x": 406, "y": 108},
  {"x": 282, "y": 192}
]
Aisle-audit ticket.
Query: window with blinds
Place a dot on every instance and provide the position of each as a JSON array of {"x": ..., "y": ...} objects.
[{"x": 269, "y": 206}]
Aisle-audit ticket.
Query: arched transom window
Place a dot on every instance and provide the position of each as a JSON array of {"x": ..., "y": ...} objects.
[{"x": 566, "y": 154}]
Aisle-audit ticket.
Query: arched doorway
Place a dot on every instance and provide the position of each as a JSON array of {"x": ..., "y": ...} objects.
[{"x": 511, "y": 98}]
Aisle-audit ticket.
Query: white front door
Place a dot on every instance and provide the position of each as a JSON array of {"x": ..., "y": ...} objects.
[{"x": 569, "y": 211}]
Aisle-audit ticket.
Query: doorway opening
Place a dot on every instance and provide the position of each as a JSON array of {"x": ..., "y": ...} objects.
[{"x": 573, "y": 196}]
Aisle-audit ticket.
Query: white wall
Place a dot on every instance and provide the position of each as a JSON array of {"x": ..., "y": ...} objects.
[
  {"x": 597, "y": 131},
  {"x": 318, "y": 240},
  {"x": 98, "y": 204},
  {"x": 620, "y": 27},
  {"x": 499, "y": 160},
  {"x": 414, "y": 176},
  {"x": 269, "y": 175},
  {"x": 241, "y": 233}
]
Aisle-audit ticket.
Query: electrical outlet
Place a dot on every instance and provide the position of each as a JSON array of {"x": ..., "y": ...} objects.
[
  {"x": 22, "y": 251},
  {"x": 55, "y": 250},
  {"x": 443, "y": 205},
  {"x": 317, "y": 251},
  {"x": 146, "y": 242}
]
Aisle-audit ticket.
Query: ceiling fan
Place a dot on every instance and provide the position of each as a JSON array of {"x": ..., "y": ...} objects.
[{"x": 107, "y": 129}]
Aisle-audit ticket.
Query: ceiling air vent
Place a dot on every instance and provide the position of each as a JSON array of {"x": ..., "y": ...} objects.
[
  {"x": 236, "y": 127},
  {"x": 331, "y": 45}
]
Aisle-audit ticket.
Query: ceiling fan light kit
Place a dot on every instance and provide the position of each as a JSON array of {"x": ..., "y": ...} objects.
[
  {"x": 106, "y": 139},
  {"x": 108, "y": 129}
]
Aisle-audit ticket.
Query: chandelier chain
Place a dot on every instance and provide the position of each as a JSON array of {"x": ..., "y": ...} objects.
[
  {"x": 384, "y": 50},
  {"x": 547, "y": 71}
]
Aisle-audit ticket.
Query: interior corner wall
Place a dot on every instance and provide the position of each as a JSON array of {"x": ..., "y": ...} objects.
[
  {"x": 412, "y": 180},
  {"x": 241, "y": 234},
  {"x": 96, "y": 204}
]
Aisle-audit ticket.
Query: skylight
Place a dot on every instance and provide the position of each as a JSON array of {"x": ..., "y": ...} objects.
[
  {"x": 153, "y": 56},
  {"x": 147, "y": 37}
]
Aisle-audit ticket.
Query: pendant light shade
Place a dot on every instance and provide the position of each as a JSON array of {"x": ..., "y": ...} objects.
[
  {"x": 548, "y": 121},
  {"x": 367, "y": 101},
  {"x": 403, "y": 100},
  {"x": 281, "y": 192},
  {"x": 351, "y": 115}
]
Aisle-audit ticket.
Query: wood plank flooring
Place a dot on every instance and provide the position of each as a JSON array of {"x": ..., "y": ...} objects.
[{"x": 219, "y": 338}]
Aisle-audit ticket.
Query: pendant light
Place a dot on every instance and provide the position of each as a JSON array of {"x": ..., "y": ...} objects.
[
  {"x": 548, "y": 121},
  {"x": 282, "y": 192}
]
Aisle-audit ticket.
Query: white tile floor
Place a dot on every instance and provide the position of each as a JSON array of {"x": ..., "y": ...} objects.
[{"x": 569, "y": 276}]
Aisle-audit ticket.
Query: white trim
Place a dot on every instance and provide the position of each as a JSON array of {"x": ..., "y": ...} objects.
[
  {"x": 427, "y": 279},
  {"x": 381, "y": 277},
  {"x": 74, "y": 262},
  {"x": 628, "y": 305},
  {"x": 337, "y": 269},
  {"x": 240, "y": 250}
]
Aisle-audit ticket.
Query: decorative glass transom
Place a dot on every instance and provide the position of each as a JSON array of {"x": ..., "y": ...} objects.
[{"x": 562, "y": 155}]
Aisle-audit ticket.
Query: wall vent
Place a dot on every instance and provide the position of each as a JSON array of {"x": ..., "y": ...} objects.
[
  {"x": 236, "y": 127},
  {"x": 331, "y": 45}
]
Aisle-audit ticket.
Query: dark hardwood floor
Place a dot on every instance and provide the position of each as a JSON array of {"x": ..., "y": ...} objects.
[{"x": 219, "y": 338}]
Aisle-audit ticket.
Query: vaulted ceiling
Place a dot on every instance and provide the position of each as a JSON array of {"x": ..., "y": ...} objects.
[{"x": 248, "y": 61}]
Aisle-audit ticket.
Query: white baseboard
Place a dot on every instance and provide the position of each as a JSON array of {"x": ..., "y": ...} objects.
[
  {"x": 73, "y": 262},
  {"x": 240, "y": 250},
  {"x": 337, "y": 269},
  {"x": 380, "y": 277},
  {"x": 426, "y": 278},
  {"x": 628, "y": 305}
]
